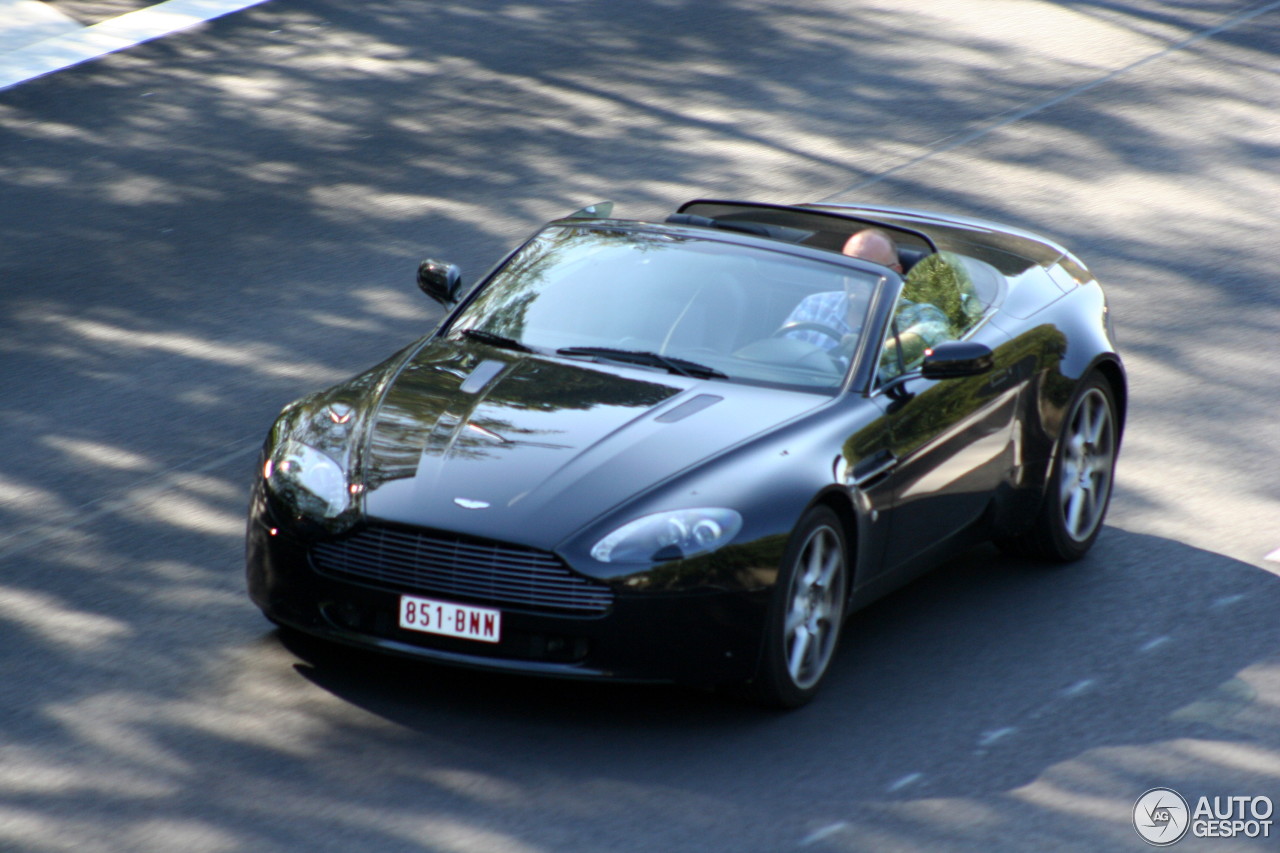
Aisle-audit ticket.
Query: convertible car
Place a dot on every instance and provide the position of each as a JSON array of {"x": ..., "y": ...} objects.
[{"x": 687, "y": 450}]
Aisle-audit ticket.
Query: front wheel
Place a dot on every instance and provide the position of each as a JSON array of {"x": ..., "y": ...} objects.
[
  {"x": 1079, "y": 488},
  {"x": 807, "y": 612}
]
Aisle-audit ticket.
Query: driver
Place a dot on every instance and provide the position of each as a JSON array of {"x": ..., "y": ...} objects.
[
  {"x": 842, "y": 310},
  {"x": 875, "y": 245}
]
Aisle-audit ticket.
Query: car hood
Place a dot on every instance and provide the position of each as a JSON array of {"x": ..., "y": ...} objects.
[{"x": 478, "y": 440}]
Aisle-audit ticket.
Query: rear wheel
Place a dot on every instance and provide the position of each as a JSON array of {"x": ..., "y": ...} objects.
[
  {"x": 807, "y": 612},
  {"x": 1079, "y": 489}
]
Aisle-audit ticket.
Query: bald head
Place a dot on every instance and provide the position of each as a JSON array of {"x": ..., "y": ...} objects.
[{"x": 873, "y": 245}]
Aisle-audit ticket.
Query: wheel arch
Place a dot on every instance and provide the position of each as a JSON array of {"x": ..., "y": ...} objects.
[
  {"x": 1114, "y": 375},
  {"x": 1042, "y": 425},
  {"x": 841, "y": 503}
]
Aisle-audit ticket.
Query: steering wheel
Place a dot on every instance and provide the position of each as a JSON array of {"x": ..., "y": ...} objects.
[{"x": 808, "y": 326}]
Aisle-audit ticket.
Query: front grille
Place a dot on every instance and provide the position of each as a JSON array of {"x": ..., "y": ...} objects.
[{"x": 470, "y": 568}]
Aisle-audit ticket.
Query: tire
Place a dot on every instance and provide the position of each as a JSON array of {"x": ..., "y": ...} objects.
[
  {"x": 806, "y": 614},
  {"x": 1079, "y": 488}
]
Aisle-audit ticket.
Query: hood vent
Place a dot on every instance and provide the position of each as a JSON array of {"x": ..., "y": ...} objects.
[
  {"x": 688, "y": 407},
  {"x": 480, "y": 377}
]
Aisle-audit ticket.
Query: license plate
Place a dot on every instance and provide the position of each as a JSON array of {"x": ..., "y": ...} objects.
[{"x": 448, "y": 619}]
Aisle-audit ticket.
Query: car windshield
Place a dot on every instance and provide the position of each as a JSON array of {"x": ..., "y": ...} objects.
[{"x": 698, "y": 307}]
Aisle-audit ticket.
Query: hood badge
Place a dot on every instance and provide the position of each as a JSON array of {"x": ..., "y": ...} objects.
[
  {"x": 467, "y": 503},
  {"x": 339, "y": 413}
]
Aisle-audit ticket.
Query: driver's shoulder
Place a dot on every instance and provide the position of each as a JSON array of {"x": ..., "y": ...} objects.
[{"x": 819, "y": 303}]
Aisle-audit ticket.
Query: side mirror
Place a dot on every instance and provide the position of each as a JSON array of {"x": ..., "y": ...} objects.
[
  {"x": 952, "y": 359},
  {"x": 440, "y": 281}
]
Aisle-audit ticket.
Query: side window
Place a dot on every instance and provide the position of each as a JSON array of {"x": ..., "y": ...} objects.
[
  {"x": 915, "y": 327},
  {"x": 944, "y": 297}
]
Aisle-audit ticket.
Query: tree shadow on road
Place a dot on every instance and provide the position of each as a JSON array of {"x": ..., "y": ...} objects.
[
  {"x": 196, "y": 230},
  {"x": 980, "y": 686}
]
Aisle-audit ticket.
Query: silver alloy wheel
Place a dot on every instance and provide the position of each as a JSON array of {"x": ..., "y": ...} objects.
[
  {"x": 1088, "y": 463},
  {"x": 815, "y": 607}
]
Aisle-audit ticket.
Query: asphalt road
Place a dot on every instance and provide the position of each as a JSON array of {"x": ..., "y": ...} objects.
[{"x": 198, "y": 229}]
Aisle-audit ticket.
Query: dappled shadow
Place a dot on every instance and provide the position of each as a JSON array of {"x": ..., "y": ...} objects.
[
  {"x": 1036, "y": 697},
  {"x": 1008, "y": 633},
  {"x": 1159, "y": 178},
  {"x": 199, "y": 229}
]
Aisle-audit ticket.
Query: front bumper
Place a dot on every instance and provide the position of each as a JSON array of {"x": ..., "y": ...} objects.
[{"x": 702, "y": 636}]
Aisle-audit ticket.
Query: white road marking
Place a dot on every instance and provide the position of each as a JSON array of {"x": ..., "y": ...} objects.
[
  {"x": 991, "y": 737},
  {"x": 1154, "y": 644},
  {"x": 66, "y": 49},
  {"x": 1274, "y": 556},
  {"x": 25, "y": 21},
  {"x": 1226, "y": 600},
  {"x": 909, "y": 779},
  {"x": 1078, "y": 688},
  {"x": 825, "y": 832}
]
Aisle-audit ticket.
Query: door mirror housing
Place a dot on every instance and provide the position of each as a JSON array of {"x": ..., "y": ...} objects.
[
  {"x": 953, "y": 359},
  {"x": 441, "y": 281}
]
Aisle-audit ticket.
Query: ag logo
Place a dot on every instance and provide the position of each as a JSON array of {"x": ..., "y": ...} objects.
[{"x": 1161, "y": 816}]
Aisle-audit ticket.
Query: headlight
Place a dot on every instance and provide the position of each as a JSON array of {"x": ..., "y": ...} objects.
[
  {"x": 308, "y": 479},
  {"x": 672, "y": 535}
]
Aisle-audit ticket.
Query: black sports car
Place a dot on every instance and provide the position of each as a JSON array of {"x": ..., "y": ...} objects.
[{"x": 687, "y": 450}]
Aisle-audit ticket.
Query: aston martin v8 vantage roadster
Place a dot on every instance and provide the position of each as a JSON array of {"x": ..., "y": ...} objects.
[{"x": 686, "y": 450}]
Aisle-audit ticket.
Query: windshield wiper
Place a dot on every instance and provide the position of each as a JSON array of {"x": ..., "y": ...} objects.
[
  {"x": 681, "y": 366},
  {"x": 494, "y": 339}
]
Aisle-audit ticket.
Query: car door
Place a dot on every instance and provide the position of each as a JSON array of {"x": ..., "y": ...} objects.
[{"x": 951, "y": 444}]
